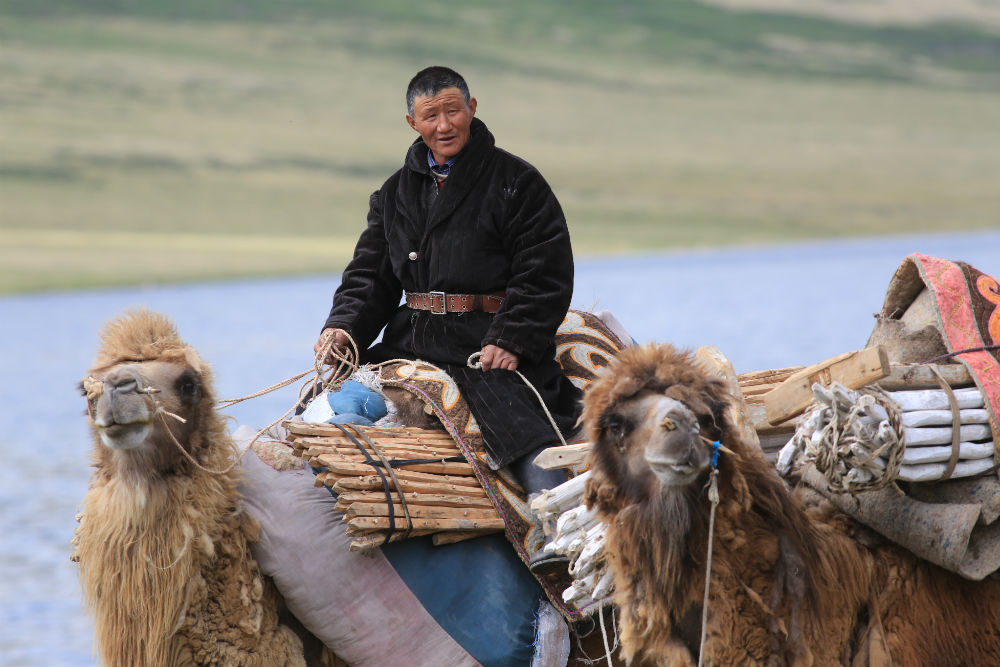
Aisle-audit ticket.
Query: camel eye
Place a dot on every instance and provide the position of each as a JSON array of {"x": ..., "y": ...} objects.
[
  {"x": 708, "y": 425},
  {"x": 187, "y": 387},
  {"x": 616, "y": 426}
]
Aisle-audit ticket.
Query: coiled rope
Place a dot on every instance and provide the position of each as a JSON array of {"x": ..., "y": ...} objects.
[{"x": 843, "y": 445}]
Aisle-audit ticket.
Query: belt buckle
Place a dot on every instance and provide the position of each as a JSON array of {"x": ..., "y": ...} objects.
[{"x": 444, "y": 303}]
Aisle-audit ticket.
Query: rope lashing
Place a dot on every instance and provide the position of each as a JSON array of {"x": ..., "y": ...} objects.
[
  {"x": 843, "y": 449},
  {"x": 385, "y": 484},
  {"x": 956, "y": 424},
  {"x": 713, "y": 499},
  {"x": 981, "y": 348},
  {"x": 474, "y": 363}
]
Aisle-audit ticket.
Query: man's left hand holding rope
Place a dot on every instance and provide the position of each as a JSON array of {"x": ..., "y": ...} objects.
[{"x": 340, "y": 343}]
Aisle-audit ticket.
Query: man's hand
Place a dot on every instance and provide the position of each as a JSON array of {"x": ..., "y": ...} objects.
[
  {"x": 339, "y": 344},
  {"x": 497, "y": 357}
]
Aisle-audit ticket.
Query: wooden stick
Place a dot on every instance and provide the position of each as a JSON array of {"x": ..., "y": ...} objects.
[
  {"x": 356, "y": 455},
  {"x": 562, "y": 497},
  {"x": 344, "y": 468},
  {"x": 920, "y": 376},
  {"x": 379, "y": 522},
  {"x": 405, "y": 475},
  {"x": 757, "y": 390},
  {"x": 324, "y": 459},
  {"x": 373, "y": 483},
  {"x": 852, "y": 369},
  {"x": 577, "y": 518},
  {"x": 435, "y": 499},
  {"x": 327, "y": 478},
  {"x": 772, "y": 376},
  {"x": 381, "y": 443},
  {"x": 385, "y": 445},
  {"x": 419, "y": 512},
  {"x": 567, "y": 456},
  {"x": 374, "y": 432}
]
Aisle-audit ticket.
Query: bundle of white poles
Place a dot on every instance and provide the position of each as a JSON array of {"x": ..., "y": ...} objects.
[
  {"x": 860, "y": 424},
  {"x": 574, "y": 531}
]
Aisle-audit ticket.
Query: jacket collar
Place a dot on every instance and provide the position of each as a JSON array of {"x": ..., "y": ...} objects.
[{"x": 464, "y": 173}]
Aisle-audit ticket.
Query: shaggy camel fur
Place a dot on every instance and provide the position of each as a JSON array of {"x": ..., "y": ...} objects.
[
  {"x": 789, "y": 584},
  {"x": 162, "y": 544}
]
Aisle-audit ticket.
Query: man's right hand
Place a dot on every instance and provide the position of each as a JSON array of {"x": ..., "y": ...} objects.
[{"x": 340, "y": 339}]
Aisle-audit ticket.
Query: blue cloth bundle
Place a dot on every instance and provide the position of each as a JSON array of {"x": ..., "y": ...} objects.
[{"x": 355, "y": 403}]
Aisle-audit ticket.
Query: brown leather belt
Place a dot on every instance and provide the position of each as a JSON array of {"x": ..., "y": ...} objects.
[{"x": 440, "y": 303}]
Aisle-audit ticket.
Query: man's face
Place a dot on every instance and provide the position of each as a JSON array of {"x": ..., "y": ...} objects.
[{"x": 443, "y": 121}]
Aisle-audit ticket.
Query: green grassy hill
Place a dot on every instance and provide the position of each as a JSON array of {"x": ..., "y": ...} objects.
[{"x": 150, "y": 141}]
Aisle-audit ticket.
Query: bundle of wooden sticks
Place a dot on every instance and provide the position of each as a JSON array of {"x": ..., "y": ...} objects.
[
  {"x": 576, "y": 532},
  {"x": 396, "y": 482}
]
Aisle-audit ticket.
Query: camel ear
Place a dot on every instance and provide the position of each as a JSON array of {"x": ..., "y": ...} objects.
[{"x": 192, "y": 359}]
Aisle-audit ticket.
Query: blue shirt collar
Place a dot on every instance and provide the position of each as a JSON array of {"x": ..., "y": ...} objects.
[{"x": 439, "y": 168}]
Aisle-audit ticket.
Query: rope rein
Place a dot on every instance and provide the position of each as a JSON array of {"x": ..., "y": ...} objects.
[
  {"x": 474, "y": 363},
  {"x": 323, "y": 376},
  {"x": 713, "y": 498},
  {"x": 604, "y": 634}
]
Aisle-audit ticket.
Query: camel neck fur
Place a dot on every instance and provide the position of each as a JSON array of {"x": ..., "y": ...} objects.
[{"x": 141, "y": 545}]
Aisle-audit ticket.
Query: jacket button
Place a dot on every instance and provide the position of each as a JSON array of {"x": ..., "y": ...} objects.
[{"x": 413, "y": 256}]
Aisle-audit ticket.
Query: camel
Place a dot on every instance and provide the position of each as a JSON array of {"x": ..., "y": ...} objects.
[
  {"x": 790, "y": 582},
  {"x": 162, "y": 544},
  {"x": 166, "y": 542}
]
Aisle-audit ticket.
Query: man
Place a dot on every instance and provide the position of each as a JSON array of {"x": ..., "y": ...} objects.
[{"x": 477, "y": 242}]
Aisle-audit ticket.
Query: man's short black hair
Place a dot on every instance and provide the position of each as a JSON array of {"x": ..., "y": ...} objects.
[{"x": 431, "y": 81}]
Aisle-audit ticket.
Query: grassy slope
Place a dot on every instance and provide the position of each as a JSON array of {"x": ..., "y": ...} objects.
[{"x": 145, "y": 141}]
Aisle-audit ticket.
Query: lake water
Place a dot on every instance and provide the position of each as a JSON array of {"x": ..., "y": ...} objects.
[{"x": 764, "y": 307}]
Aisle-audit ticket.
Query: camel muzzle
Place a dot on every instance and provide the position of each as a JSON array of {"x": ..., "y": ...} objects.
[{"x": 123, "y": 413}]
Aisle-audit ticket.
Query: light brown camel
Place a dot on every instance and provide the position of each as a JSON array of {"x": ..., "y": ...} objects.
[
  {"x": 162, "y": 544},
  {"x": 789, "y": 584}
]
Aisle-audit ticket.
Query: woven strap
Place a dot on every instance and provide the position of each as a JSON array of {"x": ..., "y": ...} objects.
[{"x": 956, "y": 424}]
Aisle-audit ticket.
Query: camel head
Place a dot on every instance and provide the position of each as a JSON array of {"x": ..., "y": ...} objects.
[
  {"x": 652, "y": 416},
  {"x": 148, "y": 396}
]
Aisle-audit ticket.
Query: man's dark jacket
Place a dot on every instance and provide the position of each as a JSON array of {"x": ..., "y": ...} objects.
[{"x": 495, "y": 225}]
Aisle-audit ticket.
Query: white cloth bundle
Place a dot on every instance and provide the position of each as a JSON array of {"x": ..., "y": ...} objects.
[{"x": 925, "y": 429}]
